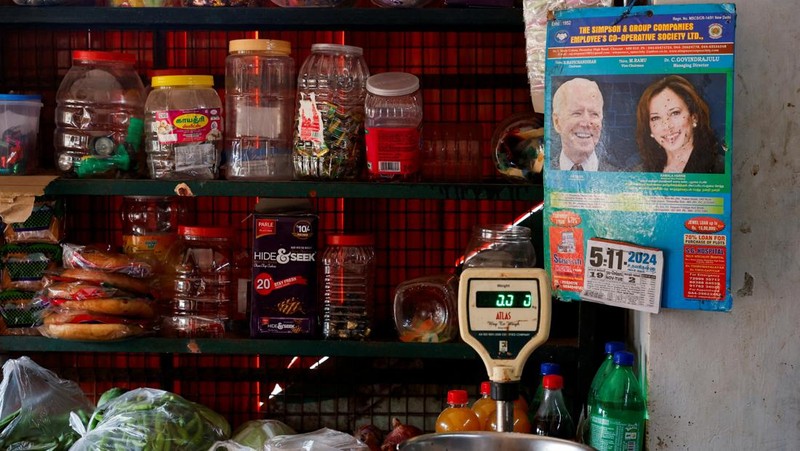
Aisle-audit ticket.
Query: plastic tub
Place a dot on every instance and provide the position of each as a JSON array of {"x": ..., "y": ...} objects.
[{"x": 19, "y": 130}]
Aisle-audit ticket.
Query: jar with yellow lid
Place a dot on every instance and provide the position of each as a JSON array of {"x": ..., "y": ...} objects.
[
  {"x": 259, "y": 104},
  {"x": 183, "y": 127}
]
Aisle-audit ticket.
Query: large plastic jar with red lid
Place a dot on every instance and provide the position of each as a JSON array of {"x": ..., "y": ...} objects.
[
  {"x": 99, "y": 103},
  {"x": 196, "y": 286},
  {"x": 347, "y": 273}
]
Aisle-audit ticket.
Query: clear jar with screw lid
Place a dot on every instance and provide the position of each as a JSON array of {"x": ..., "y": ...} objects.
[
  {"x": 500, "y": 246},
  {"x": 183, "y": 127},
  {"x": 259, "y": 104},
  {"x": 197, "y": 289},
  {"x": 393, "y": 126},
  {"x": 347, "y": 277}
]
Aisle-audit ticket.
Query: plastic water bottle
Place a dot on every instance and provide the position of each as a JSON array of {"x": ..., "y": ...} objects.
[
  {"x": 611, "y": 347},
  {"x": 617, "y": 417},
  {"x": 544, "y": 369},
  {"x": 552, "y": 418}
]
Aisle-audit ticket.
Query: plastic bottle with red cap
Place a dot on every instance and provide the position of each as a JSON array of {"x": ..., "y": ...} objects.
[
  {"x": 457, "y": 416},
  {"x": 552, "y": 418},
  {"x": 347, "y": 272},
  {"x": 99, "y": 102},
  {"x": 197, "y": 285}
]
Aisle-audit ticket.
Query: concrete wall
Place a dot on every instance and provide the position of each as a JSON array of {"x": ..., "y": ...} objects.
[{"x": 731, "y": 381}]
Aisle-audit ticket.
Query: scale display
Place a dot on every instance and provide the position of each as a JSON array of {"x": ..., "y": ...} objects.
[
  {"x": 503, "y": 299},
  {"x": 504, "y": 314}
]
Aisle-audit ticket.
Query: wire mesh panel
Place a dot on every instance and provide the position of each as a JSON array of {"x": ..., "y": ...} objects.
[{"x": 470, "y": 79}]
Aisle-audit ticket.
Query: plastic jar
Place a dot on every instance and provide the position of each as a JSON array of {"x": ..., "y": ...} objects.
[
  {"x": 183, "y": 127},
  {"x": 197, "y": 286},
  {"x": 99, "y": 103},
  {"x": 150, "y": 225},
  {"x": 426, "y": 309},
  {"x": 329, "y": 131},
  {"x": 500, "y": 246},
  {"x": 347, "y": 277},
  {"x": 19, "y": 131},
  {"x": 259, "y": 103},
  {"x": 393, "y": 126}
]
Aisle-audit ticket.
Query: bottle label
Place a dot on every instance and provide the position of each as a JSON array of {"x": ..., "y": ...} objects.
[
  {"x": 309, "y": 126},
  {"x": 393, "y": 152},
  {"x": 144, "y": 245},
  {"x": 187, "y": 126},
  {"x": 609, "y": 434}
]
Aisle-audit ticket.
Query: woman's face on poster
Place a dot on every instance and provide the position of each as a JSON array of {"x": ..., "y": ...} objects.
[{"x": 671, "y": 122}]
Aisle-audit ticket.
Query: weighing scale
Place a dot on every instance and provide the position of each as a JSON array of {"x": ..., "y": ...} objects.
[{"x": 504, "y": 314}]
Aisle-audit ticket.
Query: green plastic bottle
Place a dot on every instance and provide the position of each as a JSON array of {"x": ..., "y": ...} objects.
[
  {"x": 617, "y": 417},
  {"x": 605, "y": 368}
]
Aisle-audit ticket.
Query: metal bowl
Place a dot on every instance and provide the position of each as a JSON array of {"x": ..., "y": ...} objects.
[{"x": 482, "y": 441}]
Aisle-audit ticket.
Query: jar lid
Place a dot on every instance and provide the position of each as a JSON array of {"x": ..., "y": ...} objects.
[
  {"x": 392, "y": 84},
  {"x": 205, "y": 232},
  {"x": 92, "y": 55},
  {"x": 260, "y": 45},
  {"x": 182, "y": 80},
  {"x": 338, "y": 48},
  {"x": 152, "y": 73},
  {"x": 350, "y": 240},
  {"x": 20, "y": 98}
]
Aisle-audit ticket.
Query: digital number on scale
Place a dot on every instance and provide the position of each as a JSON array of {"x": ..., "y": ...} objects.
[
  {"x": 503, "y": 299},
  {"x": 623, "y": 274}
]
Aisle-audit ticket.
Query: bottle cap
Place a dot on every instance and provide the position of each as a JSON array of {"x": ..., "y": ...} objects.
[
  {"x": 182, "y": 80},
  {"x": 486, "y": 388},
  {"x": 457, "y": 397},
  {"x": 623, "y": 358},
  {"x": 553, "y": 382},
  {"x": 392, "y": 84},
  {"x": 92, "y": 55},
  {"x": 337, "y": 48},
  {"x": 350, "y": 240},
  {"x": 550, "y": 368},
  {"x": 260, "y": 45},
  {"x": 614, "y": 346},
  {"x": 205, "y": 232}
]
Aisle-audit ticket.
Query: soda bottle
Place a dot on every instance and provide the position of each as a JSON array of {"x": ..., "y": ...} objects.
[
  {"x": 608, "y": 364},
  {"x": 484, "y": 407},
  {"x": 618, "y": 413},
  {"x": 544, "y": 369},
  {"x": 457, "y": 416},
  {"x": 552, "y": 417}
]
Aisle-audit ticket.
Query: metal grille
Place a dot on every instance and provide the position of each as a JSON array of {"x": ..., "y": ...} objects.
[{"x": 471, "y": 78}]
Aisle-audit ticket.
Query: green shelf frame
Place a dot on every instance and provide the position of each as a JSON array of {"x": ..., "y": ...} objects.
[
  {"x": 298, "y": 189},
  {"x": 267, "y": 18},
  {"x": 252, "y": 346}
]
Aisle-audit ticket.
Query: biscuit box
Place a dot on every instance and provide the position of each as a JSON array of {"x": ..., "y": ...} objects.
[{"x": 284, "y": 283}]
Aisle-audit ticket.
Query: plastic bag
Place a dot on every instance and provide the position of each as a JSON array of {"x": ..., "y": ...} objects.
[
  {"x": 151, "y": 419},
  {"x": 230, "y": 445},
  {"x": 320, "y": 440},
  {"x": 35, "y": 408}
]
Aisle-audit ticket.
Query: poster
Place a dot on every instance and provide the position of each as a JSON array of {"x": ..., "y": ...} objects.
[{"x": 638, "y": 146}]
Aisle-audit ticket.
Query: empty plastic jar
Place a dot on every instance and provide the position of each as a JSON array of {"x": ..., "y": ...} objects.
[
  {"x": 183, "y": 127},
  {"x": 347, "y": 277},
  {"x": 329, "y": 132},
  {"x": 197, "y": 286},
  {"x": 500, "y": 246},
  {"x": 99, "y": 102},
  {"x": 259, "y": 103},
  {"x": 393, "y": 126}
]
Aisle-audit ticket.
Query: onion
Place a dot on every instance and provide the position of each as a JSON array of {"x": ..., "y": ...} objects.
[
  {"x": 371, "y": 436},
  {"x": 400, "y": 433}
]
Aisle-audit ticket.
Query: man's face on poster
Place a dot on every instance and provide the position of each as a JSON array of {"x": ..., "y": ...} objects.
[{"x": 579, "y": 120}]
